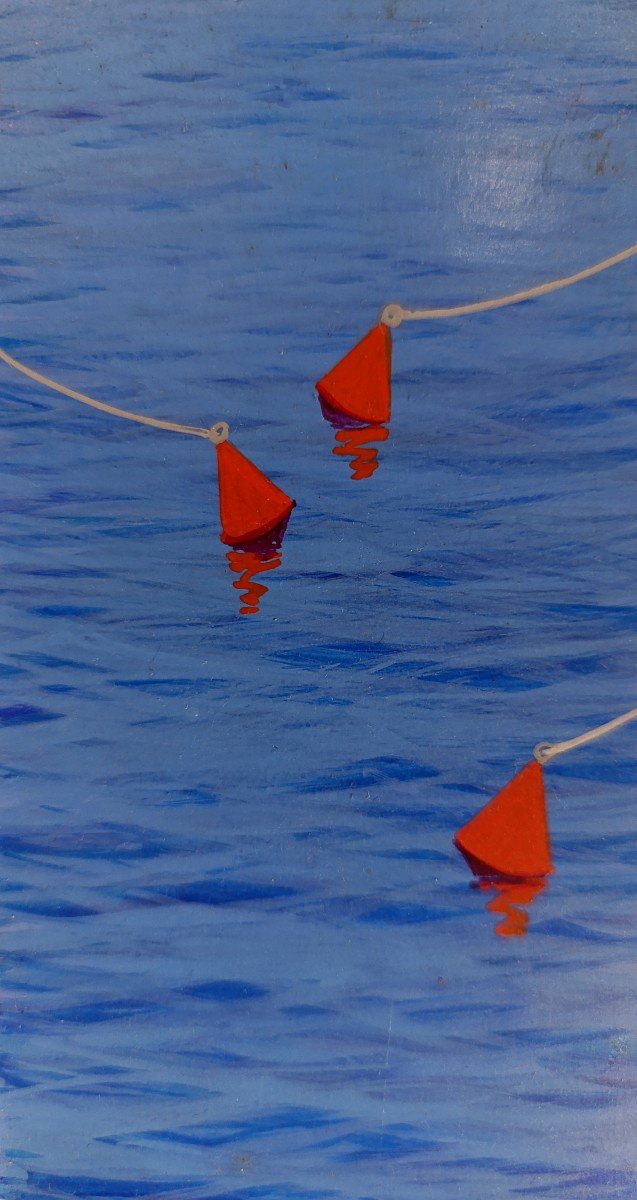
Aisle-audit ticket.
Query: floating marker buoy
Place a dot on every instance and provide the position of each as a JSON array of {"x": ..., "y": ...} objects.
[
  {"x": 509, "y": 836},
  {"x": 360, "y": 384},
  {"x": 250, "y": 505}
]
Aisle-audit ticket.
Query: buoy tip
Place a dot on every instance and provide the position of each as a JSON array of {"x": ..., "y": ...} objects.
[
  {"x": 541, "y": 753},
  {"x": 219, "y": 432},
  {"x": 392, "y": 315}
]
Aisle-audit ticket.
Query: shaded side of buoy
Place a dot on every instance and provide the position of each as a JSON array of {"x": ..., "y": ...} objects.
[
  {"x": 250, "y": 505},
  {"x": 510, "y": 836},
  {"x": 360, "y": 384}
]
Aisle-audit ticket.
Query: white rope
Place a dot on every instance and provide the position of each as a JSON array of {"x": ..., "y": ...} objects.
[
  {"x": 394, "y": 314},
  {"x": 544, "y": 751},
  {"x": 217, "y": 434}
]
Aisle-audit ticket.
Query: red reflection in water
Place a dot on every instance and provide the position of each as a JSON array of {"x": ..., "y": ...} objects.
[
  {"x": 354, "y": 440},
  {"x": 510, "y": 897},
  {"x": 353, "y": 444},
  {"x": 252, "y": 560}
]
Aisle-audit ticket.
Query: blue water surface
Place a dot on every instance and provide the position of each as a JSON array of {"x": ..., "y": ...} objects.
[{"x": 240, "y": 957}]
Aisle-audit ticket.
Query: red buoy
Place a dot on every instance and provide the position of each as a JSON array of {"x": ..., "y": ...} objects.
[
  {"x": 510, "y": 836},
  {"x": 360, "y": 384},
  {"x": 250, "y": 505}
]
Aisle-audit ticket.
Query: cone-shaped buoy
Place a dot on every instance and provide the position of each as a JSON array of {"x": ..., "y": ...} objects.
[
  {"x": 360, "y": 384},
  {"x": 250, "y": 505},
  {"x": 510, "y": 836}
]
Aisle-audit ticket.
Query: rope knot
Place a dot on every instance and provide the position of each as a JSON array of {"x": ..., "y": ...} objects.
[
  {"x": 219, "y": 432},
  {"x": 542, "y": 752},
  {"x": 392, "y": 315}
]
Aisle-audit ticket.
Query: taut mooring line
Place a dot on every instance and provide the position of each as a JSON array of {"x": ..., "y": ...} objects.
[
  {"x": 394, "y": 314},
  {"x": 216, "y": 434},
  {"x": 544, "y": 751}
]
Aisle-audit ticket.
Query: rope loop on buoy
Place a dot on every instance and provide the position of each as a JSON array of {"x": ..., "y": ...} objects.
[
  {"x": 219, "y": 432},
  {"x": 394, "y": 314},
  {"x": 545, "y": 751}
]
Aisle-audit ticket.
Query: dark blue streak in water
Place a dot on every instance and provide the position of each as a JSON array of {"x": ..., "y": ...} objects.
[
  {"x": 241, "y": 959},
  {"x": 367, "y": 774},
  {"x": 219, "y": 892},
  {"x": 55, "y": 908},
  {"x": 114, "y": 1189},
  {"x": 25, "y": 714},
  {"x": 220, "y": 1133},
  {"x": 225, "y": 991}
]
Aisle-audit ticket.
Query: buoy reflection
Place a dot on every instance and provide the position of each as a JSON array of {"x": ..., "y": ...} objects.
[
  {"x": 355, "y": 440},
  {"x": 510, "y": 900},
  {"x": 251, "y": 561}
]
